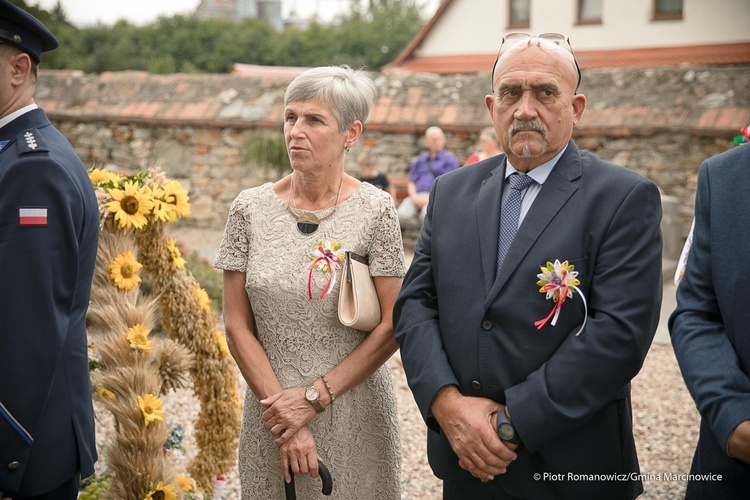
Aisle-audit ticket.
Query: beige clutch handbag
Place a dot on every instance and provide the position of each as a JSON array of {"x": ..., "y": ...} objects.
[{"x": 358, "y": 301}]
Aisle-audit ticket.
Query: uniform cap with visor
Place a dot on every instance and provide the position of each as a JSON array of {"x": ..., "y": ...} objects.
[{"x": 22, "y": 30}]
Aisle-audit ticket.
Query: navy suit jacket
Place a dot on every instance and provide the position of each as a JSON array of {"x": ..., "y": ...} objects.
[
  {"x": 710, "y": 327},
  {"x": 458, "y": 323},
  {"x": 46, "y": 418}
]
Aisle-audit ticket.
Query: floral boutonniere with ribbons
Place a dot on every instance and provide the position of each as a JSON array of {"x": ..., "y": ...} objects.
[
  {"x": 559, "y": 282},
  {"x": 326, "y": 257}
]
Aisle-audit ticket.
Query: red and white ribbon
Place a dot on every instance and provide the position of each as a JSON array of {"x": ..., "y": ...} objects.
[
  {"x": 558, "y": 281},
  {"x": 327, "y": 258}
]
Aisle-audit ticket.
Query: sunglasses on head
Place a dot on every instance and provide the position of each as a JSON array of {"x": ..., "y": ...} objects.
[{"x": 515, "y": 39}]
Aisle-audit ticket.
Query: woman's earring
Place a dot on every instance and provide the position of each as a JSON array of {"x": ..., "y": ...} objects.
[{"x": 346, "y": 148}]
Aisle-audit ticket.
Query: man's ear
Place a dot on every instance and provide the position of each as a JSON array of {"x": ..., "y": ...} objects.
[
  {"x": 489, "y": 101},
  {"x": 579, "y": 104},
  {"x": 20, "y": 65}
]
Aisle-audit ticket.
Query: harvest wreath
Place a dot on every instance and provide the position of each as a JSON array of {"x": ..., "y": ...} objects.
[{"x": 131, "y": 369}]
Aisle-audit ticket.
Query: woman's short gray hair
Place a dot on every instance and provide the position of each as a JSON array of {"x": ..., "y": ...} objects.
[{"x": 349, "y": 92}]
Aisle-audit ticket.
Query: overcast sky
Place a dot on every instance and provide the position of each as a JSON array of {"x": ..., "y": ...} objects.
[{"x": 88, "y": 12}]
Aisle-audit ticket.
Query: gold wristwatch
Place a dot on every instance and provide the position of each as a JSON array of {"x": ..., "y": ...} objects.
[{"x": 312, "y": 395}]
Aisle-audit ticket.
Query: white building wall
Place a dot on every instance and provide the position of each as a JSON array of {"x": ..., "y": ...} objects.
[
  {"x": 245, "y": 8},
  {"x": 477, "y": 26},
  {"x": 467, "y": 27}
]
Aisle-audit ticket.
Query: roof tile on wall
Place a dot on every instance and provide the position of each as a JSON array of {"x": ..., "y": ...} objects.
[{"x": 703, "y": 99}]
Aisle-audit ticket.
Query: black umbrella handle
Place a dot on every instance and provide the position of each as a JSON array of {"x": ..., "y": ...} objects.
[{"x": 325, "y": 476}]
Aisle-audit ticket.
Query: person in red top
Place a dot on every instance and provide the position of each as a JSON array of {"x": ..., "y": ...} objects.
[{"x": 488, "y": 144}]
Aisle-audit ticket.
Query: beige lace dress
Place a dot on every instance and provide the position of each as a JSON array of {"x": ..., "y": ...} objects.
[{"x": 357, "y": 437}]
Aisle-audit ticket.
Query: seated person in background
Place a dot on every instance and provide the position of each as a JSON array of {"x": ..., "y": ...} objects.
[
  {"x": 488, "y": 146},
  {"x": 368, "y": 173},
  {"x": 423, "y": 171}
]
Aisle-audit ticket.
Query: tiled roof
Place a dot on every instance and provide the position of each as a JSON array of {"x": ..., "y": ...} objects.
[
  {"x": 415, "y": 42},
  {"x": 737, "y": 53},
  {"x": 701, "y": 100}
]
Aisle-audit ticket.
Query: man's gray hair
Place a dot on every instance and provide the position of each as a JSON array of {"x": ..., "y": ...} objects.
[{"x": 348, "y": 92}]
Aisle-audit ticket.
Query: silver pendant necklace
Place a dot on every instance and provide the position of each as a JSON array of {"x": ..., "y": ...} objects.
[{"x": 308, "y": 222}]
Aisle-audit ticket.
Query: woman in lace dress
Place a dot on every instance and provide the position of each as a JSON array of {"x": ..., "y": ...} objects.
[{"x": 317, "y": 389}]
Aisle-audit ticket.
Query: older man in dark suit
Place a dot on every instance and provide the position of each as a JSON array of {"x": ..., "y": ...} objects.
[
  {"x": 710, "y": 327},
  {"x": 527, "y": 394},
  {"x": 49, "y": 228}
]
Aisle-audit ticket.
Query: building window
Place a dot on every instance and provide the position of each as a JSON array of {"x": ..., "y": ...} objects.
[
  {"x": 667, "y": 9},
  {"x": 589, "y": 12},
  {"x": 520, "y": 13}
]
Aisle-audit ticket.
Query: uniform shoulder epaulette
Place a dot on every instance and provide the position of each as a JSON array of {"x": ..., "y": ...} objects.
[{"x": 31, "y": 141}]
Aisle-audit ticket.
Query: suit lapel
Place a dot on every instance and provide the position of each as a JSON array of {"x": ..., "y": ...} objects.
[
  {"x": 488, "y": 217},
  {"x": 556, "y": 191}
]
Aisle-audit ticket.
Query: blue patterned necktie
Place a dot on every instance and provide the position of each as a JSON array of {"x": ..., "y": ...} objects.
[{"x": 510, "y": 214}]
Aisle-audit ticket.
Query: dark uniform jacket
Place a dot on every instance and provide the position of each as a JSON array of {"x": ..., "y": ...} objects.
[{"x": 49, "y": 230}]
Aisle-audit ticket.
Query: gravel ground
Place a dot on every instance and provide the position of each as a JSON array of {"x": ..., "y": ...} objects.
[{"x": 665, "y": 418}]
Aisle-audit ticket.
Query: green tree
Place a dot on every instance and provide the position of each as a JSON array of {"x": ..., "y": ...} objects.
[
  {"x": 375, "y": 39},
  {"x": 371, "y": 36},
  {"x": 315, "y": 46}
]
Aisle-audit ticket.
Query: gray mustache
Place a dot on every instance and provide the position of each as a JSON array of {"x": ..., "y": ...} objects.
[{"x": 534, "y": 125}]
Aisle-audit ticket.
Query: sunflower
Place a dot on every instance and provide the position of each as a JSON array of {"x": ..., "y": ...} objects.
[
  {"x": 204, "y": 302},
  {"x": 124, "y": 271},
  {"x": 162, "y": 211},
  {"x": 138, "y": 338},
  {"x": 131, "y": 205},
  {"x": 185, "y": 483},
  {"x": 101, "y": 176},
  {"x": 221, "y": 340},
  {"x": 176, "y": 197},
  {"x": 149, "y": 405},
  {"x": 175, "y": 256},
  {"x": 161, "y": 492}
]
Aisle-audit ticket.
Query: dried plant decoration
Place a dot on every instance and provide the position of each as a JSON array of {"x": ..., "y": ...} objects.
[{"x": 134, "y": 367}]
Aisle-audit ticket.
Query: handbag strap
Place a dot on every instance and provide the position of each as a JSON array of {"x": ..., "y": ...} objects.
[{"x": 358, "y": 258}]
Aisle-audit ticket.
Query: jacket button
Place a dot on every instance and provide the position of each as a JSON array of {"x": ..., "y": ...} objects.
[
  {"x": 475, "y": 384},
  {"x": 14, "y": 465},
  {"x": 487, "y": 324}
]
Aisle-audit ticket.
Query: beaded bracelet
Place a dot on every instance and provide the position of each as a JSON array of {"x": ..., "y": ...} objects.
[{"x": 328, "y": 388}]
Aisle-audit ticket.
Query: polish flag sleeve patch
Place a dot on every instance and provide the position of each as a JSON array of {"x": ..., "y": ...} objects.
[{"x": 32, "y": 216}]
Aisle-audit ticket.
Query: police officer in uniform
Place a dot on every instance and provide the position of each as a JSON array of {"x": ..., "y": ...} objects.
[{"x": 49, "y": 231}]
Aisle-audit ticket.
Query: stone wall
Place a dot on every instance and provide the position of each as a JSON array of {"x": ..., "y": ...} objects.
[
  {"x": 207, "y": 161},
  {"x": 661, "y": 123}
]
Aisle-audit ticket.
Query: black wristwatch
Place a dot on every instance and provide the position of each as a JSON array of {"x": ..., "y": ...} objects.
[{"x": 505, "y": 429}]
